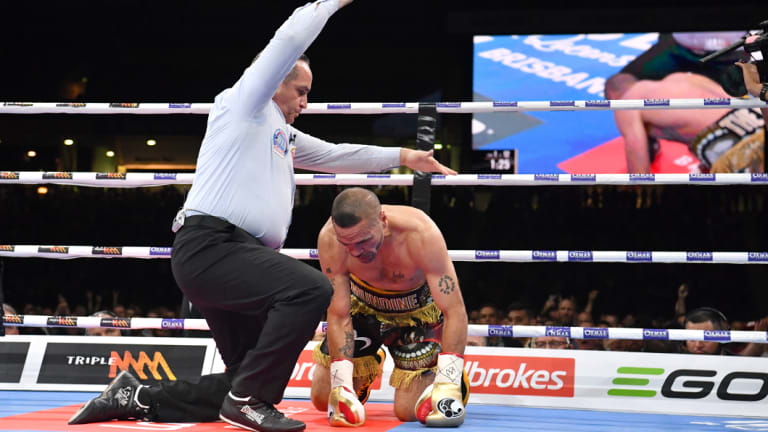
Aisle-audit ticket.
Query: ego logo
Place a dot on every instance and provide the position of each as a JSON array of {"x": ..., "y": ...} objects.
[
  {"x": 701, "y": 389},
  {"x": 697, "y": 384},
  {"x": 634, "y": 382}
]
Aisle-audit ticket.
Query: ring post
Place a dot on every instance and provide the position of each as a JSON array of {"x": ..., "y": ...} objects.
[{"x": 426, "y": 127}]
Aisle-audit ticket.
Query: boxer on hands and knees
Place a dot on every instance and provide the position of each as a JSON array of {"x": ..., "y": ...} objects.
[
  {"x": 724, "y": 140},
  {"x": 393, "y": 284}
]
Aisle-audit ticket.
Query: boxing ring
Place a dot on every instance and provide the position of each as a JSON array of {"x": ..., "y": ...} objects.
[
  {"x": 49, "y": 411},
  {"x": 583, "y": 390}
]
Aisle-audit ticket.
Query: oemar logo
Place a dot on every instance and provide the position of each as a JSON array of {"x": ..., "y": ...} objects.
[{"x": 692, "y": 384}]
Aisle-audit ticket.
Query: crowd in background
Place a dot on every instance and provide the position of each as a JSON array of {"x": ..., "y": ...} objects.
[
  {"x": 543, "y": 218},
  {"x": 560, "y": 311},
  {"x": 557, "y": 311}
]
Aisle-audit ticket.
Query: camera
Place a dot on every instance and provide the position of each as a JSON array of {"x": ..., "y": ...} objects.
[{"x": 756, "y": 47}]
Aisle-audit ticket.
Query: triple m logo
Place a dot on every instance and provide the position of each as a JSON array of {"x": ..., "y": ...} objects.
[{"x": 138, "y": 365}]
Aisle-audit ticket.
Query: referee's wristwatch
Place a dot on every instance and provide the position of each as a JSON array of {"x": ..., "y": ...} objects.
[{"x": 763, "y": 91}]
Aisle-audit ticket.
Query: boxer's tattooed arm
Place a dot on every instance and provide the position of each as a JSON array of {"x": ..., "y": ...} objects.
[
  {"x": 348, "y": 349},
  {"x": 447, "y": 285}
]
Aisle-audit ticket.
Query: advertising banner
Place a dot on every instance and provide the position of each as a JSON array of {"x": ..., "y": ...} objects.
[
  {"x": 99, "y": 363},
  {"x": 708, "y": 385},
  {"x": 12, "y": 358}
]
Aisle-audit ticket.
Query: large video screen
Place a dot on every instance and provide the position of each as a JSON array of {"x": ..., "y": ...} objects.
[{"x": 559, "y": 68}]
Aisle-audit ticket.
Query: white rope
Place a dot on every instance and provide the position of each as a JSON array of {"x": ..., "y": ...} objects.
[
  {"x": 145, "y": 179},
  {"x": 389, "y": 107},
  {"x": 94, "y": 179},
  {"x": 69, "y": 252},
  {"x": 473, "y": 329}
]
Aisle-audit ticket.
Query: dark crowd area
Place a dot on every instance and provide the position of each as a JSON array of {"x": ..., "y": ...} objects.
[{"x": 646, "y": 218}]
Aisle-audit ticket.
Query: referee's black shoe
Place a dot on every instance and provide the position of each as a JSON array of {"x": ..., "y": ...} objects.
[
  {"x": 247, "y": 413},
  {"x": 118, "y": 401}
]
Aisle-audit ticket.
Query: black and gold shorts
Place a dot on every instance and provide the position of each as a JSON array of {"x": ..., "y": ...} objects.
[
  {"x": 408, "y": 323},
  {"x": 732, "y": 144}
]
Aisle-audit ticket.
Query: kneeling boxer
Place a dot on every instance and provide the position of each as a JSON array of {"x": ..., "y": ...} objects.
[{"x": 394, "y": 284}]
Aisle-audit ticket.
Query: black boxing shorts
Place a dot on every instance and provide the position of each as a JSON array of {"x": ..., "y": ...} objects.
[{"x": 408, "y": 323}]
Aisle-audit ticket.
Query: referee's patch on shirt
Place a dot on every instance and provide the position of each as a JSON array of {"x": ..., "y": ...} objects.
[{"x": 280, "y": 143}]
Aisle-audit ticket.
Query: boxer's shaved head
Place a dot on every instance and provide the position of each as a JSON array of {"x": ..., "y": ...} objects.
[
  {"x": 618, "y": 84},
  {"x": 353, "y": 205}
]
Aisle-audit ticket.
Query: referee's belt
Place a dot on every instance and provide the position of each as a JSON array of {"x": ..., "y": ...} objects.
[{"x": 216, "y": 223}]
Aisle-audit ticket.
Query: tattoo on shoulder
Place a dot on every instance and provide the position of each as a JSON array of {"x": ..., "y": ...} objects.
[
  {"x": 328, "y": 270},
  {"x": 447, "y": 285},
  {"x": 348, "y": 349}
]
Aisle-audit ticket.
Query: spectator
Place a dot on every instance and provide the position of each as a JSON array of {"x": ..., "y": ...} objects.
[
  {"x": 755, "y": 349},
  {"x": 584, "y": 319},
  {"x": 489, "y": 315},
  {"x": 474, "y": 315},
  {"x": 551, "y": 342},
  {"x": 119, "y": 310},
  {"x": 475, "y": 341},
  {"x": 101, "y": 331},
  {"x": 705, "y": 318},
  {"x": 518, "y": 314},
  {"x": 9, "y": 310},
  {"x": 624, "y": 345},
  {"x": 611, "y": 319},
  {"x": 682, "y": 294},
  {"x": 159, "y": 312},
  {"x": 566, "y": 310},
  {"x": 629, "y": 321},
  {"x": 550, "y": 310},
  {"x": 590, "y": 306}
]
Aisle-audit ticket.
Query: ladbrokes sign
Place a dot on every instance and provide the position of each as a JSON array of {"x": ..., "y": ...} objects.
[
  {"x": 69, "y": 363},
  {"x": 529, "y": 376}
]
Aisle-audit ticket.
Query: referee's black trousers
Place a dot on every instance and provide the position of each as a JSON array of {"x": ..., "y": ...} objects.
[{"x": 262, "y": 306}]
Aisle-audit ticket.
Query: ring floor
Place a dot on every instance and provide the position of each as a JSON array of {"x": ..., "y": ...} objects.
[{"x": 49, "y": 411}]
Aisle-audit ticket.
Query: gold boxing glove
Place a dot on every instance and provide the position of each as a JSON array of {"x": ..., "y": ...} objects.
[
  {"x": 344, "y": 408},
  {"x": 441, "y": 405}
]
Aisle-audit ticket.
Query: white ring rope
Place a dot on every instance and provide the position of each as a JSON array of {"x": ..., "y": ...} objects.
[
  {"x": 388, "y": 107},
  {"x": 473, "y": 329},
  {"x": 485, "y": 255},
  {"x": 145, "y": 179}
]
